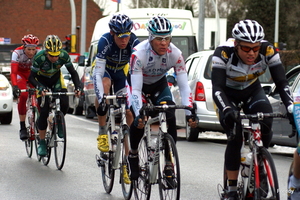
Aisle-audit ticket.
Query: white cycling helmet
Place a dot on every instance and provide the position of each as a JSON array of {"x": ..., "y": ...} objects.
[{"x": 248, "y": 31}]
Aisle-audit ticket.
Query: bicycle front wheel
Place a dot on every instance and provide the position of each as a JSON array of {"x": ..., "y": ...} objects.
[
  {"x": 30, "y": 119},
  {"x": 29, "y": 144},
  {"x": 125, "y": 180},
  {"x": 60, "y": 139},
  {"x": 266, "y": 187},
  {"x": 48, "y": 139},
  {"x": 107, "y": 170},
  {"x": 142, "y": 186},
  {"x": 169, "y": 171}
]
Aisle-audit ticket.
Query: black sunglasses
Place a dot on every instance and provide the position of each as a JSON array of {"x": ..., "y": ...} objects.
[
  {"x": 248, "y": 49},
  {"x": 52, "y": 56}
]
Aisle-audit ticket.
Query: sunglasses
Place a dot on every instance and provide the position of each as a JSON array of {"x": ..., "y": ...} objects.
[
  {"x": 248, "y": 49},
  {"x": 53, "y": 56},
  {"x": 160, "y": 39}
]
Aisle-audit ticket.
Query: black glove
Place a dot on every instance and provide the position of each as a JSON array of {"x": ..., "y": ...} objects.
[
  {"x": 16, "y": 91},
  {"x": 41, "y": 89},
  {"x": 102, "y": 109},
  {"x": 230, "y": 118}
]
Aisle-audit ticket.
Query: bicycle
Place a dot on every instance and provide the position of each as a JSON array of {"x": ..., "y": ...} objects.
[
  {"x": 56, "y": 121},
  {"x": 32, "y": 114},
  {"x": 115, "y": 158},
  {"x": 156, "y": 154},
  {"x": 257, "y": 177}
]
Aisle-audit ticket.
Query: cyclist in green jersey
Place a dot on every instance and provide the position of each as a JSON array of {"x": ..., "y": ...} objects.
[{"x": 46, "y": 74}]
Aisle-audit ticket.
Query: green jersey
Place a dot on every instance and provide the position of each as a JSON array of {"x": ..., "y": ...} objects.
[{"x": 44, "y": 67}]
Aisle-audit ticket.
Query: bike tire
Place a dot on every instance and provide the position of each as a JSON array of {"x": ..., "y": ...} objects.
[
  {"x": 60, "y": 141},
  {"x": 36, "y": 132},
  {"x": 30, "y": 132},
  {"x": 126, "y": 187},
  {"x": 142, "y": 186},
  {"x": 29, "y": 147},
  {"x": 169, "y": 188},
  {"x": 48, "y": 138},
  {"x": 267, "y": 188},
  {"x": 107, "y": 170}
]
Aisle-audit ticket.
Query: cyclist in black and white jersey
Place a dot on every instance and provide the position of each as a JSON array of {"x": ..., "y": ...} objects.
[
  {"x": 236, "y": 67},
  {"x": 150, "y": 61}
]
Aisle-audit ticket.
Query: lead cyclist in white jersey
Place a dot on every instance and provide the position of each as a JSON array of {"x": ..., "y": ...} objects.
[{"x": 149, "y": 62}]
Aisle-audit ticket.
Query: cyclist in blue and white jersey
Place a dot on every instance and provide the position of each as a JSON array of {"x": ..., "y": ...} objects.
[
  {"x": 236, "y": 67},
  {"x": 114, "y": 51},
  {"x": 150, "y": 61}
]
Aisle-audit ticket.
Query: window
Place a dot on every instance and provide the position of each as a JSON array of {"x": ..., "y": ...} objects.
[{"x": 48, "y": 4}]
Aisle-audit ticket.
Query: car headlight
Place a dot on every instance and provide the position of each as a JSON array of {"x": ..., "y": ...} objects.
[{"x": 4, "y": 85}]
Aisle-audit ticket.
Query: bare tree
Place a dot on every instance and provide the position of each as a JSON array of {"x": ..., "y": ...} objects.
[{"x": 179, "y": 4}]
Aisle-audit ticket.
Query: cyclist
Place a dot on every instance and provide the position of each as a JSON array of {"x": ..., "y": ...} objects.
[
  {"x": 21, "y": 62},
  {"x": 236, "y": 66},
  {"x": 46, "y": 74},
  {"x": 150, "y": 61},
  {"x": 294, "y": 179},
  {"x": 114, "y": 51}
]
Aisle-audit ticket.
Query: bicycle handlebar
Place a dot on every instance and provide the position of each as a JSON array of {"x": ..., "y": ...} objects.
[
  {"x": 123, "y": 96},
  {"x": 164, "y": 107},
  {"x": 55, "y": 94},
  {"x": 261, "y": 116},
  {"x": 59, "y": 93},
  {"x": 253, "y": 117}
]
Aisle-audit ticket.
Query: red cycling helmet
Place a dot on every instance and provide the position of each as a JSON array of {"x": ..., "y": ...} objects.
[{"x": 30, "y": 40}]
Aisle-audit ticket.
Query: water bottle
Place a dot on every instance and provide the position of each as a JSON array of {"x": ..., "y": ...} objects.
[
  {"x": 50, "y": 119},
  {"x": 246, "y": 157},
  {"x": 114, "y": 140}
]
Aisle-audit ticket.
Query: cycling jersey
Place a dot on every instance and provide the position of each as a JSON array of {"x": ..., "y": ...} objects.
[
  {"x": 147, "y": 67},
  {"x": 20, "y": 70},
  {"x": 235, "y": 82},
  {"x": 233, "y": 73},
  {"x": 46, "y": 74},
  {"x": 111, "y": 59},
  {"x": 20, "y": 65}
]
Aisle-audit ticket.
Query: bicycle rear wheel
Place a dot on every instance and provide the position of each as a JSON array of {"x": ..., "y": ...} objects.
[
  {"x": 107, "y": 170},
  {"x": 267, "y": 185},
  {"x": 126, "y": 186},
  {"x": 169, "y": 171},
  {"x": 142, "y": 186},
  {"x": 60, "y": 139}
]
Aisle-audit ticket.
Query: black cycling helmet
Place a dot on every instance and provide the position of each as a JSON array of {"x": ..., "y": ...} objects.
[
  {"x": 248, "y": 31},
  {"x": 159, "y": 26},
  {"x": 121, "y": 24}
]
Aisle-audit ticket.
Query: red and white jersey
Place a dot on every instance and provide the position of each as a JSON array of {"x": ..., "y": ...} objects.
[
  {"x": 147, "y": 67},
  {"x": 20, "y": 64}
]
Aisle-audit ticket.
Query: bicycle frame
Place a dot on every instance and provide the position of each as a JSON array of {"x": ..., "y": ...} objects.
[
  {"x": 158, "y": 157},
  {"x": 119, "y": 129},
  {"x": 253, "y": 181}
]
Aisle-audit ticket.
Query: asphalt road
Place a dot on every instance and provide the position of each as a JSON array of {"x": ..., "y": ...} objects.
[{"x": 25, "y": 178}]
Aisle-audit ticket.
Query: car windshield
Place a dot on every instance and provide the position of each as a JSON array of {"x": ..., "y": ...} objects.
[{"x": 64, "y": 70}]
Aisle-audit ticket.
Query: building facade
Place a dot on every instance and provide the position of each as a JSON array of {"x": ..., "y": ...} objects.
[{"x": 44, "y": 17}]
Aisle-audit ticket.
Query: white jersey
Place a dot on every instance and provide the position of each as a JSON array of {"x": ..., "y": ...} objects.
[{"x": 147, "y": 67}]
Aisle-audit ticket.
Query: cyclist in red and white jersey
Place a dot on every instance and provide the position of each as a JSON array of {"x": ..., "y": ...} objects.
[
  {"x": 21, "y": 63},
  {"x": 149, "y": 63}
]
